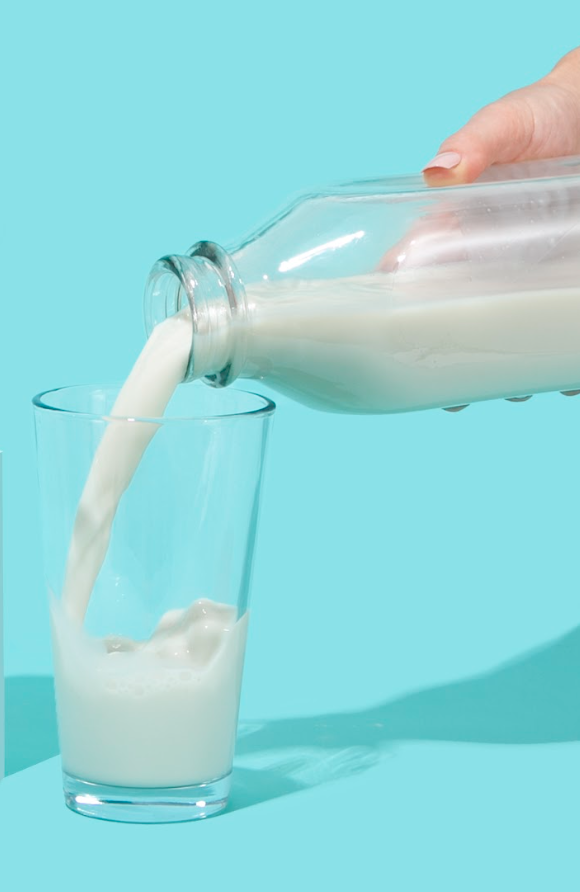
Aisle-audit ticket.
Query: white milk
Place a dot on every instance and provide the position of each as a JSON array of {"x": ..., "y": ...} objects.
[
  {"x": 160, "y": 367},
  {"x": 378, "y": 344},
  {"x": 161, "y": 712},
  {"x": 158, "y": 713}
]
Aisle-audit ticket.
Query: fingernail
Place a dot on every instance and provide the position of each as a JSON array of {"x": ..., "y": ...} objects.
[{"x": 445, "y": 160}]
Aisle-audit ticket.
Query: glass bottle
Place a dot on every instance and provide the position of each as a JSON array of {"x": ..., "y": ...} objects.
[{"x": 387, "y": 296}]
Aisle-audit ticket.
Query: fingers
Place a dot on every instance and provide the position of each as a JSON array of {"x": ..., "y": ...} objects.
[
  {"x": 535, "y": 122},
  {"x": 434, "y": 238},
  {"x": 499, "y": 133}
]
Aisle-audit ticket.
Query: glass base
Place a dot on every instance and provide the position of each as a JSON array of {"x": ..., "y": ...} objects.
[{"x": 146, "y": 805}]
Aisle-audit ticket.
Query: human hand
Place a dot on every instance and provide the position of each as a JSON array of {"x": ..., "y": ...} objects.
[{"x": 535, "y": 122}]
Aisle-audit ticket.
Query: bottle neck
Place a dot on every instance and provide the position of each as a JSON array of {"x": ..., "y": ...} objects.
[{"x": 205, "y": 283}]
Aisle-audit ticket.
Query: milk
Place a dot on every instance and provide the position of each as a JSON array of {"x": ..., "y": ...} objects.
[
  {"x": 160, "y": 367},
  {"x": 381, "y": 343},
  {"x": 155, "y": 713}
]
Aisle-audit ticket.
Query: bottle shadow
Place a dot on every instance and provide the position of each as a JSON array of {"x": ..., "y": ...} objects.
[{"x": 532, "y": 699}]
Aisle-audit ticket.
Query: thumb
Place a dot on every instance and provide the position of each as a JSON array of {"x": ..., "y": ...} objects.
[
  {"x": 539, "y": 121},
  {"x": 500, "y": 132}
]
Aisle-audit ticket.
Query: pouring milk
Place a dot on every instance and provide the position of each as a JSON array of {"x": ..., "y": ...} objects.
[{"x": 155, "y": 713}]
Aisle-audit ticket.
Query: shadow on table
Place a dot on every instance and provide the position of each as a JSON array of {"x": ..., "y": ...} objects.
[
  {"x": 534, "y": 698},
  {"x": 31, "y": 735}
]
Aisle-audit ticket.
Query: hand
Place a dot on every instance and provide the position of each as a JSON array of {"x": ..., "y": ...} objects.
[{"x": 539, "y": 121}]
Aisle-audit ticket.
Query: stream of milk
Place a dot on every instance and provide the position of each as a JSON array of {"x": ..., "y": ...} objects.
[{"x": 155, "y": 713}]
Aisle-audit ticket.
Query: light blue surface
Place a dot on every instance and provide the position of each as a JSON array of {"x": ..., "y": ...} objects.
[{"x": 402, "y": 562}]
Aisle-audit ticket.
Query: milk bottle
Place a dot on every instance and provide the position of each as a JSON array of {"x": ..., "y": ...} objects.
[{"x": 385, "y": 296}]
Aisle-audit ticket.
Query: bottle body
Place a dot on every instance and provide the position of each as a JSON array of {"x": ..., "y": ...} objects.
[{"x": 385, "y": 296}]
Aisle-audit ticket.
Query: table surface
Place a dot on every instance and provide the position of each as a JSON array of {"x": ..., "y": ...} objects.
[{"x": 414, "y": 815}]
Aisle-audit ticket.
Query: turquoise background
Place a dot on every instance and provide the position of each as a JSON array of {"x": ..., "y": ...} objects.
[{"x": 411, "y": 702}]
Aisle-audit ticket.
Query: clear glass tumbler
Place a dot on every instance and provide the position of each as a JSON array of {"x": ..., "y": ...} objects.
[{"x": 148, "y": 676}]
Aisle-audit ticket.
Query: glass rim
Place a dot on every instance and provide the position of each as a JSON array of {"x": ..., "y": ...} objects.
[{"x": 39, "y": 401}]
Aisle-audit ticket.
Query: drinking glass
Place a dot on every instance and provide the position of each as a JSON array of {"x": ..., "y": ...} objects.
[{"x": 148, "y": 668}]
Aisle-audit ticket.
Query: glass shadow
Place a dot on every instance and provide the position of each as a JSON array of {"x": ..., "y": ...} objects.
[{"x": 532, "y": 699}]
